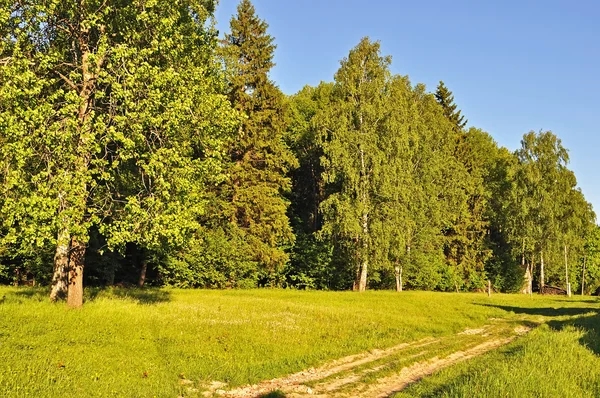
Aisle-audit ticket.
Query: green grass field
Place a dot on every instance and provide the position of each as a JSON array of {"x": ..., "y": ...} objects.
[
  {"x": 144, "y": 343},
  {"x": 558, "y": 359}
]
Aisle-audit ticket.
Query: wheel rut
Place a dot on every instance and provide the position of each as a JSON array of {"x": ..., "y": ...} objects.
[{"x": 383, "y": 372}]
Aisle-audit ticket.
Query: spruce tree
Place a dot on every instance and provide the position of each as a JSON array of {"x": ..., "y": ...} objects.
[
  {"x": 261, "y": 160},
  {"x": 445, "y": 98}
]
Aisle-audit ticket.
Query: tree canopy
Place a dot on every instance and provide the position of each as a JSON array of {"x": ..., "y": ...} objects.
[{"x": 138, "y": 145}]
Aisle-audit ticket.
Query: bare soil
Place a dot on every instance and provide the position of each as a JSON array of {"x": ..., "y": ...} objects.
[{"x": 345, "y": 377}]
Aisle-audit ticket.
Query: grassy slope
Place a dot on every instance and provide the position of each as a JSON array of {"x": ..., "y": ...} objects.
[
  {"x": 139, "y": 343},
  {"x": 558, "y": 359}
]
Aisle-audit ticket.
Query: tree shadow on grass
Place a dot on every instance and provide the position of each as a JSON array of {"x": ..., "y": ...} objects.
[
  {"x": 273, "y": 394},
  {"x": 589, "y": 325},
  {"x": 587, "y": 319},
  {"x": 139, "y": 295},
  {"x": 22, "y": 294},
  {"x": 146, "y": 296},
  {"x": 587, "y": 301},
  {"x": 546, "y": 311}
]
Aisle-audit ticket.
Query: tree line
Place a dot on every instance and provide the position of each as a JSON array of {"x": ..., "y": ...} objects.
[{"x": 136, "y": 146}]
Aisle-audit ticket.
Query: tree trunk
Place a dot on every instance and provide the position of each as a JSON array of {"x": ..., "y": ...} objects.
[
  {"x": 110, "y": 278},
  {"x": 357, "y": 274},
  {"x": 76, "y": 262},
  {"x": 17, "y": 277},
  {"x": 567, "y": 273},
  {"x": 362, "y": 282},
  {"x": 489, "y": 288},
  {"x": 583, "y": 274},
  {"x": 70, "y": 252},
  {"x": 143, "y": 273},
  {"x": 61, "y": 264},
  {"x": 401, "y": 282},
  {"x": 532, "y": 271},
  {"x": 527, "y": 269},
  {"x": 529, "y": 279},
  {"x": 398, "y": 270},
  {"x": 542, "y": 284}
]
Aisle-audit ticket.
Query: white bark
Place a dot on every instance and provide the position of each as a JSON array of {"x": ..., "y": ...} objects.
[{"x": 61, "y": 264}]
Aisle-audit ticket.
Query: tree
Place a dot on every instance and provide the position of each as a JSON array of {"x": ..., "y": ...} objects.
[
  {"x": 419, "y": 187},
  {"x": 591, "y": 261},
  {"x": 445, "y": 98},
  {"x": 542, "y": 162},
  {"x": 505, "y": 222},
  {"x": 310, "y": 258},
  {"x": 261, "y": 159},
  {"x": 95, "y": 95},
  {"x": 353, "y": 152}
]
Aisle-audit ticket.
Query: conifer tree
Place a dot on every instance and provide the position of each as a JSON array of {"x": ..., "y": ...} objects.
[
  {"x": 445, "y": 98},
  {"x": 261, "y": 159}
]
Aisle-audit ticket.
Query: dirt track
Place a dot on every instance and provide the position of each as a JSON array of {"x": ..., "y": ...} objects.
[{"x": 380, "y": 373}]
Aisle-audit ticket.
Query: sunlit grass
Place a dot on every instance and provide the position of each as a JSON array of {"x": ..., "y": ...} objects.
[
  {"x": 144, "y": 343},
  {"x": 558, "y": 359}
]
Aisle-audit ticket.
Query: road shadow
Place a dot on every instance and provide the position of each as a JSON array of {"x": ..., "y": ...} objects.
[{"x": 145, "y": 296}]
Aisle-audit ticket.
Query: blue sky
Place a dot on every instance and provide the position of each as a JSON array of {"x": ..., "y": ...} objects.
[{"x": 513, "y": 66}]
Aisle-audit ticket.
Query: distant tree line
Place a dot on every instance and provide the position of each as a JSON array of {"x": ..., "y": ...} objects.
[{"x": 136, "y": 147}]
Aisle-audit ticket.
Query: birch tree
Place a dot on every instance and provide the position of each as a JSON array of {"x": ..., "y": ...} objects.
[{"x": 353, "y": 154}]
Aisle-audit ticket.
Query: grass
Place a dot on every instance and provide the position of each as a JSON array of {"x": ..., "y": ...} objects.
[
  {"x": 558, "y": 359},
  {"x": 168, "y": 343}
]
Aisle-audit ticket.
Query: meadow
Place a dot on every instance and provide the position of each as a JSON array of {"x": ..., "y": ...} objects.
[{"x": 169, "y": 343}]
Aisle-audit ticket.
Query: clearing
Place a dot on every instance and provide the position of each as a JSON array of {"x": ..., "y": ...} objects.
[{"x": 193, "y": 343}]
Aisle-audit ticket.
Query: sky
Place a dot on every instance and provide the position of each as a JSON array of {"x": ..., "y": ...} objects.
[{"x": 513, "y": 66}]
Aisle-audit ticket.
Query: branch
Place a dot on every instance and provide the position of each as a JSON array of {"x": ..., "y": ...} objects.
[{"x": 68, "y": 81}]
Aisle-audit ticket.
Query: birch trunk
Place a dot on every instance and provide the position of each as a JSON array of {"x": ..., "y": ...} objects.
[
  {"x": 542, "y": 284},
  {"x": 401, "y": 282},
  {"x": 527, "y": 268},
  {"x": 567, "y": 273},
  {"x": 143, "y": 273},
  {"x": 61, "y": 264},
  {"x": 531, "y": 270},
  {"x": 76, "y": 262},
  {"x": 398, "y": 270},
  {"x": 583, "y": 274},
  {"x": 362, "y": 281}
]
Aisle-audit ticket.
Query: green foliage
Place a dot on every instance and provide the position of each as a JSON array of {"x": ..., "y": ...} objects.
[
  {"x": 591, "y": 259},
  {"x": 126, "y": 130},
  {"x": 261, "y": 159},
  {"x": 445, "y": 98},
  {"x": 212, "y": 259},
  {"x": 115, "y": 121}
]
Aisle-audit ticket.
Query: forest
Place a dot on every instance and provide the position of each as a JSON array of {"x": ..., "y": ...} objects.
[{"x": 140, "y": 146}]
